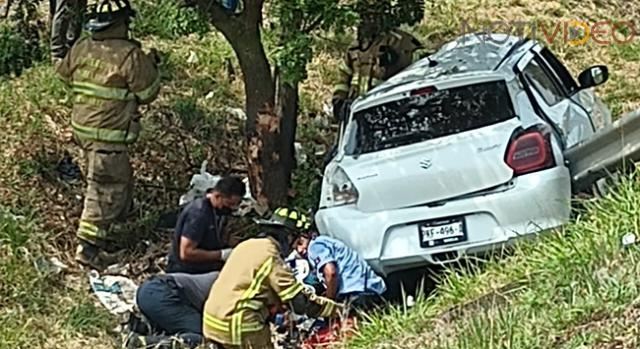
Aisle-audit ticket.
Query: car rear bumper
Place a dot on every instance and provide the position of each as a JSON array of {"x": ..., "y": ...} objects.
[{"x": 389, "y": 240}]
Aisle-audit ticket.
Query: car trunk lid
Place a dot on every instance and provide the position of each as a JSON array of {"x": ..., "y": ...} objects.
[{"x": 422, "y": 150}]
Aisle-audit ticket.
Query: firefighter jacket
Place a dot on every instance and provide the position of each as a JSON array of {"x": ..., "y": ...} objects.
[
  {"x": 363, "y": 69},
  {"x": 254, "y": 280},
  {"x": 110, "y": 77}
]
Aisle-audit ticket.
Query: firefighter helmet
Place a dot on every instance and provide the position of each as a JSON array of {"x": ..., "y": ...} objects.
[{"x": 106, "y": 13}]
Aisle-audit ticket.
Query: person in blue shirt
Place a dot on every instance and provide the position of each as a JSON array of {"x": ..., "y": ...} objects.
[{"x": 344, "y": 273}]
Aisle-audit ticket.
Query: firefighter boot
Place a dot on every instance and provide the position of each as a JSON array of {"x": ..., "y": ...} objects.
[{"x": 92, "y": 256}]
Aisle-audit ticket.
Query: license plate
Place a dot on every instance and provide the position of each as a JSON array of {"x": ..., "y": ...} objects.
[{"x": 442, "y": 232}]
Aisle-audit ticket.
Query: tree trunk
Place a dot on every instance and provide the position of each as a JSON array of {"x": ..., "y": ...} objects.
[
  {"x": 271, "y": 123},
  {"x": 287, "y": 108},
  {"x": 271, "y": 120}
]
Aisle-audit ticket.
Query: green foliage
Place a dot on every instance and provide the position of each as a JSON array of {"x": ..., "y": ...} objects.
[
  {"x": 297, "y": 21},
  {"x": 389, "y": 14},
  {"x": 13, "y": 54},
  {"x": 14, "y": 230},
  {"x": 19, "y": 39},
  {"x": 166, "y": 19}
]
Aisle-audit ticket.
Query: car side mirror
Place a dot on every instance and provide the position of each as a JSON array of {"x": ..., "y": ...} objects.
[{"x": 593, "y": 76}]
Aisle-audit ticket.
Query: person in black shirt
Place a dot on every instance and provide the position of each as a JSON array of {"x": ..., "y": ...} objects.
[{"x": 199, "y": 245}]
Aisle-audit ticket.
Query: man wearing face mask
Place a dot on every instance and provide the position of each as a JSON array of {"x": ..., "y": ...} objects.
[{"x": 199, "y": 243}]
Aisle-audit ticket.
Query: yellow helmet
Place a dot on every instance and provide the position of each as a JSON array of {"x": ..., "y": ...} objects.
[{"x": 289, "y": 218}]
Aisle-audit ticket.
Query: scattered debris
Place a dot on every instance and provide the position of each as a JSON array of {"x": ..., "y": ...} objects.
[
  {"x": 301, "y": 157},
  {"x": 203, "y": 181},
  {"x": 410, "y": 301},
  {"x": 52, "y": 265},
  {"x": 237, "y": 112},
  {"x": 193, "y": 58},
  {"x": 628, "y": 239},
  {"x": 116, "y": 293},
  {"x": 118, "y": 269}
]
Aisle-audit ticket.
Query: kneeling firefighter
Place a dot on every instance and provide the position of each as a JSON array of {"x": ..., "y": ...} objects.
[{"x": 256, "y": 283}]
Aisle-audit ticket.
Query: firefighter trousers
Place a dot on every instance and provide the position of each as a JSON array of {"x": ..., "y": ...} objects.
[{"x": 109, "y": 192}]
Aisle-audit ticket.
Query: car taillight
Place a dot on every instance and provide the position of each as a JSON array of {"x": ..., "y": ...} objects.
[{"x": 530, "y": 152}]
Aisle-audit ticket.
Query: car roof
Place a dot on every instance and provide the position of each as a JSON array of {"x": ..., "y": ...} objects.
[{"x": 468, "y": 57}]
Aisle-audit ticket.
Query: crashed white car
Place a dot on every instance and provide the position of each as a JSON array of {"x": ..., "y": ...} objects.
[{"x": 460, "y": 153}]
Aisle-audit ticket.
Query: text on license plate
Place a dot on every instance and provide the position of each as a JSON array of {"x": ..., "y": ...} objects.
[{"x": 444, "y": 233}]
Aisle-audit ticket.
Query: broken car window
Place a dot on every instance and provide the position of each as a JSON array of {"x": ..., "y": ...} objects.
[
  {"x": 428, "y": 116},
  {"x": 543, "y": 83}
]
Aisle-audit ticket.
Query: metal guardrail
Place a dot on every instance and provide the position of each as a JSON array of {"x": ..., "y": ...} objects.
[{"x": 611, "y": 149}]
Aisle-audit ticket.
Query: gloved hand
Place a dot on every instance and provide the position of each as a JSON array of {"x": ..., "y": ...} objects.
[{"x": 224, "y": 254}]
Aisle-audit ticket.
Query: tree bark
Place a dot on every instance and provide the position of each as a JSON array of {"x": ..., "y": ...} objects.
[
  {"x": 270, "y": 126},
  {"x": 287, "y": 108}
]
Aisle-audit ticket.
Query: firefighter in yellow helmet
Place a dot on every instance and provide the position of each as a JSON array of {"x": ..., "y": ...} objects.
[
  {"x": 110, "y": 77},
  {"x": 255, "y": 280}
]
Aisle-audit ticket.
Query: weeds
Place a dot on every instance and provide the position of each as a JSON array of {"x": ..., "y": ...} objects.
[
  {"x": 567, "y": 280},
  {"x": 167, "y": 20}
]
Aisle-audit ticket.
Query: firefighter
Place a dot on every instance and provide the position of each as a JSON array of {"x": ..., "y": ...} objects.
[
  {"x": 375, "y": 56},
  {"x": 255, "y": 284},
  {"x": 110, "y": 76}
]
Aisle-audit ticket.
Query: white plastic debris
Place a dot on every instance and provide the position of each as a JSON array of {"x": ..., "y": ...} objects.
[
  {"x": 301, "y": 157},
  {"x": 410, "y": 301},
  {"x": 193, "y": 58},
  {"x": 237, "y": 113},
  {"x": 628, "y": 239},
  {"x": 116, "y": 293},
  {"x": 203, "y": 181},
  {"x": 52, "y": 265},
  {"x": 57, "y": 265}
]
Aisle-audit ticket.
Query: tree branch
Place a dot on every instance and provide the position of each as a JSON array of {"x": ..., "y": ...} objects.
[{"x": 313, "y": 25}]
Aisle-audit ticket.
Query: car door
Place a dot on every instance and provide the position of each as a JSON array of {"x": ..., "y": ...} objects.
[
  {"x": 572, "y": 121},
  {"x": 583, "y": 99}
]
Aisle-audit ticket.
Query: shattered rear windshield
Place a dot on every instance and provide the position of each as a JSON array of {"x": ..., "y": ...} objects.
[{"x": 428, "y": 116}]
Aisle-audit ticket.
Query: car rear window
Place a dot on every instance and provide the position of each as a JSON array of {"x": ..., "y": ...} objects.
[{"x": 431, "y": 115}]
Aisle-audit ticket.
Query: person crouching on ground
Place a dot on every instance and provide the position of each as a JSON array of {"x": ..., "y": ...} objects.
[
  {"x": 173, "y": 305},
  {"x": 199, "y": 243}
]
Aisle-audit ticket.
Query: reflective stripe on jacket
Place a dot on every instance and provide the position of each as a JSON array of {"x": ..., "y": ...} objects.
[
  {"x": 360, "y": 70},
  {"x": 110, "y": 77},
  {"x": 254, "y": 279}
]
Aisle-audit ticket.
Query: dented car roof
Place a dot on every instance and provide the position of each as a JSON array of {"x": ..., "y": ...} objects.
[{"x": 469, "y": 57}]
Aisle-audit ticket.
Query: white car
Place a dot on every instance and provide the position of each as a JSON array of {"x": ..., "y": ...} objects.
[{"x": 460, "y": 153}]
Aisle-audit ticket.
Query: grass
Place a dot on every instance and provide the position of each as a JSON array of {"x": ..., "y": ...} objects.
[
  {"x": 571, "y": 288},
  {"x": 577, "y": 286}
]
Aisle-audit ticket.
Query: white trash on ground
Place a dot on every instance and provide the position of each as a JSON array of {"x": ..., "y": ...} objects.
[
  {"x": 193, "y": 58},
  {"x": 116, "y": 293},
  {"x": 628, "y": 239},
  {"x": 202, "y": 181},
  {"x": 301, "y": 157}
]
